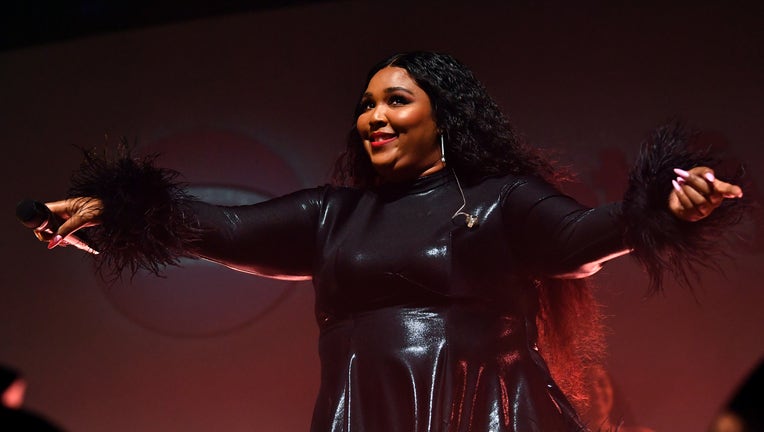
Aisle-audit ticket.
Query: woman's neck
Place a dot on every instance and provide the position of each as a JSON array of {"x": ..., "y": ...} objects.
[{"x": 402, "y": 177}]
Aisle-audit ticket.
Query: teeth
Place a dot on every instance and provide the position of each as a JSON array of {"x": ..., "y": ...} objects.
[{"x": 382, "y": 137}]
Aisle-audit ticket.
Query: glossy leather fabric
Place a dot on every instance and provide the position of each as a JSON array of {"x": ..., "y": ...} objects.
[
  {"x": 425, "y": 324},
  {"x": 461, "y": 367}
]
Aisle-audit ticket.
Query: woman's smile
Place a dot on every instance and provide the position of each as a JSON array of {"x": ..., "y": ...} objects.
[{"x": 379, "y": 139}]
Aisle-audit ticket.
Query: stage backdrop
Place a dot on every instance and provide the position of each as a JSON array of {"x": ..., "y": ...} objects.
[{"x": 254, "y": 105}]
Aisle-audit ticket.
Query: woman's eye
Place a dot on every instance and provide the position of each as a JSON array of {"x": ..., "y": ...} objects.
[
  {"x": 398, "y": 100},
  {"x": 366, "y": 105}
]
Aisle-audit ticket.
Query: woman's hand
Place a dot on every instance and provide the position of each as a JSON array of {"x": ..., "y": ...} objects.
[
  {"x": 77, "y": 213},
  {"x": 698, "y": 192}
]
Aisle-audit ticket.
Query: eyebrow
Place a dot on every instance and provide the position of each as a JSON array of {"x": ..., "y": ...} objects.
[{"x": 392, "y": 90}]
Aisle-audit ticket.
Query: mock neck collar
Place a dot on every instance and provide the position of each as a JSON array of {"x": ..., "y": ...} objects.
[{"x": 417, "y": 185}]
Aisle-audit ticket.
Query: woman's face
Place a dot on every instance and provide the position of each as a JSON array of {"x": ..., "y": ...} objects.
[{"x": 397, "y": 127}]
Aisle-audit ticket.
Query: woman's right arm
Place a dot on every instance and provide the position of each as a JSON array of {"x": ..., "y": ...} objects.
[
  {"x": 142, "y": 218},
  {"x": 275, "y": 238}
]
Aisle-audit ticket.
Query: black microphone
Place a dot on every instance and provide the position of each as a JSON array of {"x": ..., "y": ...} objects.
[{"x": 37, "y": 216}]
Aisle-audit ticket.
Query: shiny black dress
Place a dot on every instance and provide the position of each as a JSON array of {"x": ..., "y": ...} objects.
[{"x": 426, "y": 324}]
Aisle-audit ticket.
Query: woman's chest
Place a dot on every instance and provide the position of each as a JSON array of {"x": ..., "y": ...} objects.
[{"x": 403, "y": 252}]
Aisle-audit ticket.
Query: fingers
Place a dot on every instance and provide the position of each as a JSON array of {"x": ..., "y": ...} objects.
[
  {"x": 77, "y": 213},
  {"x": 728, "y": 190},
  {"x": 680, "y": 194},
  {"x": 699, "y": 181},
  {"x": 698, "y": 192},
  {"x": 683, "y": 205},
  {"x": 71, "y": 225},
  {"x": 695, "y": 193},
  {"x": 60, "y": 208},
  {"x": 713, "y": 188}
]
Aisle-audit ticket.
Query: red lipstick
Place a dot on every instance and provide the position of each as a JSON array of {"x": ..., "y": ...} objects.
[{"x": 378, "y": 139}]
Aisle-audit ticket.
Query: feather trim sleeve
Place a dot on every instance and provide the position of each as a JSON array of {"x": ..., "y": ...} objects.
[
  {"x": 145, "y": 220},
  {"x": 660, "y": 241}
]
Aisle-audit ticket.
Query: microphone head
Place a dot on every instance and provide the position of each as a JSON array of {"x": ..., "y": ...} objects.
[{"x": 32, "y": 214}]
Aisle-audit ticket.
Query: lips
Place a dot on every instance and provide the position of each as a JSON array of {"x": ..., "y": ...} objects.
[{"x": 378, "y": 139}]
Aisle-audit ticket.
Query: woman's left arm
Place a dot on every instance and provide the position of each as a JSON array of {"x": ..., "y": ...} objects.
[
  {"x": 556, "y": 235},
  {"x": 670, "y": 220},
  {"x": 565, "y": 239},
  {"x": 695, "y": 195}
]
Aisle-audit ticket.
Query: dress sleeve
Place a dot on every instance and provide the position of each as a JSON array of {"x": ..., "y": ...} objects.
[
  {"x": 148, "y": 221},
  {"x": 275, "y": 238},
  {"x": 563, "y": 238},
  {"x": 560, "y": 237}
]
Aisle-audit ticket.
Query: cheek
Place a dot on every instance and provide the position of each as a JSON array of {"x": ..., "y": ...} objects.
[
  {"x": 359, "y": 124},
  {"x": 412, "y": 120}
]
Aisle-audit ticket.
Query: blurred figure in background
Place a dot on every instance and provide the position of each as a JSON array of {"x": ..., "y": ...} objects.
[
  {"x": 13, "y": 387},
  {"x": 743, "y": 413},
  {"x": 13, "y": 418},
  {"x": 607, "y": 408},
  {"x": 728, "y": 421}
]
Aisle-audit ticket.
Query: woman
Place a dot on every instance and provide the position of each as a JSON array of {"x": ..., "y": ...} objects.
[{"x": 432, "y": 256}]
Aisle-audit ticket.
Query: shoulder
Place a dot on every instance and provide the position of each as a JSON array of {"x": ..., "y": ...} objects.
[
  {"x": 331, "y": 198},
  {"x": 322, "y": 193},
  {"x": 509, "y": 182},
  {"x": 519, "y": 194},
  {"x": 333, "y": 192},
  {"x": 518, "y": 187},
  {"x": 530, "y": 183}
]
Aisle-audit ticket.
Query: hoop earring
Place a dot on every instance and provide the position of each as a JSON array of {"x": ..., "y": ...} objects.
[{"x": 442, "y": 150}]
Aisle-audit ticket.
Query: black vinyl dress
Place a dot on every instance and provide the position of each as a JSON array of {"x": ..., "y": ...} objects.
[{"x": 425, "y": 323}]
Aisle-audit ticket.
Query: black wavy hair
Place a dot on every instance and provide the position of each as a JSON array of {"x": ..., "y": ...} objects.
[{"x": 479, "y": 141}]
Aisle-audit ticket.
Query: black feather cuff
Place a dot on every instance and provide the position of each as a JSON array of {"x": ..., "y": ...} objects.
[
  {"x": 145, "y": 212},
  {"x": 661, "y": 241}
]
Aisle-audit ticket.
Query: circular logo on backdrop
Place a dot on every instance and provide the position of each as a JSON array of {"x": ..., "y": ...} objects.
[{"x": 200, "y": 298}]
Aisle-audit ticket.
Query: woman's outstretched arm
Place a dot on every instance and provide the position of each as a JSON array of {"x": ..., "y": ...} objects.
[
  {"x": 671, "y": 218},
  {"x": 139, "y": 217}
]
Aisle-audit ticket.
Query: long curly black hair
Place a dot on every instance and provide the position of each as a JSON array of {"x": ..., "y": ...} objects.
[
  {"x": 480, "y": 143},
  {"x": 479, "y": 140}
]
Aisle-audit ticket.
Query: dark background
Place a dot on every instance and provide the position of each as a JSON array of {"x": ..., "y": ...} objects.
[{"x": 257, "y": 100}]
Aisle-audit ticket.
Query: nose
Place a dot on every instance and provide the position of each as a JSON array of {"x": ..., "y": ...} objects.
[{"x": 378, "y": 118}]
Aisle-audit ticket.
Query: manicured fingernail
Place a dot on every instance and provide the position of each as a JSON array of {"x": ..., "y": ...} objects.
[
  {"x": 54, "y": 241},
  {"x": 681, "y": 173},
  {"x": 709, "y": 176},
  {"x": 680, "y": 180},
  {"x": 676, "y": 185}
]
